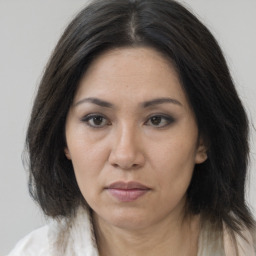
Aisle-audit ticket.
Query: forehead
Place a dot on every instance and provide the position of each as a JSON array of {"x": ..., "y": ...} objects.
[
  {"x": 138, "y": 72},
  {"x": 140, "y": 58}
]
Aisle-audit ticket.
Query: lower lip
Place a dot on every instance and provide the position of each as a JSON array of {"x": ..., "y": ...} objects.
[{"x": 127, "y": 195}]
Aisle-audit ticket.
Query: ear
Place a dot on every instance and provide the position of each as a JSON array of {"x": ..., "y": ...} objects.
[
  {"x": 201, "y": 154},
  {"x": 67, "y": 153}
]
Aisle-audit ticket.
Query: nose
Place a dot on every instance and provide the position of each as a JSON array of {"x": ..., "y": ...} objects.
[{"x": 127, "y": 151}]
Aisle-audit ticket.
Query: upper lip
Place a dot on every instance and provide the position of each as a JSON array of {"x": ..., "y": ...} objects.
[{"x": 127, "y": 185}]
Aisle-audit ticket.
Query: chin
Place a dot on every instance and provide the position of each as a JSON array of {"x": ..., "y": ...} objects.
[{"x": 127, "y": 219}]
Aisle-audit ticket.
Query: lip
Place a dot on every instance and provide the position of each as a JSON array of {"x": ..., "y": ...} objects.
[{"x": 127, "y": 191}]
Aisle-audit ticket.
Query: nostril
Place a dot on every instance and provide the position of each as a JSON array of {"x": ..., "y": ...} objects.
[
  {"x": 125, "y": 167},
  {"x": 126, "y": 156}
]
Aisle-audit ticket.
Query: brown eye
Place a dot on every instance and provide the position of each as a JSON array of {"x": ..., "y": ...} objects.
[
  {"x": 159, "y": 121},
  {"x": 95, "y": 121},
  {"x": 156, "y": 120}
]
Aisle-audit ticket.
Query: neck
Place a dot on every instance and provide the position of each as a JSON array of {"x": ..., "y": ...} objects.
[{"x": 177, "y": 238}]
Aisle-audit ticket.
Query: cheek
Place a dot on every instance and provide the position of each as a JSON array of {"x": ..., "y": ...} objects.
[
  {"x": 173, "y": 183},
  {"x": 87, "y": 173},
  {"x": 84, "y": 148},
  {"x": 88, "y": 159},
  {"x": 177, "y": 155},
  {"x": 175, "y": 166},
  {"x": 175, "y": 175}
]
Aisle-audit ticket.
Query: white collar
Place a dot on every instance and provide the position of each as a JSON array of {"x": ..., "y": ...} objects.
[
  {"x": 73, "y": 237},
  {"x": 76, "y": 237}
]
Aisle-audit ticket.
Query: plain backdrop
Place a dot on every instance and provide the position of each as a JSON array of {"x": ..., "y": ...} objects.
[{"x": 29, "y": 30}]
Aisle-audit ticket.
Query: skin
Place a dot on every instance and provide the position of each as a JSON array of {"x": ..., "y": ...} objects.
[{"x": 133, "y": 137}]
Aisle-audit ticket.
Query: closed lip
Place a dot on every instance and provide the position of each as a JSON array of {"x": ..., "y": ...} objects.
[
  {"x": 127, "y": 185},
  {"x": 127, "y": 191}
]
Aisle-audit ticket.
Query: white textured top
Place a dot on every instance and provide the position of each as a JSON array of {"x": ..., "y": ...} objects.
[{"x": 76, "y": 238}]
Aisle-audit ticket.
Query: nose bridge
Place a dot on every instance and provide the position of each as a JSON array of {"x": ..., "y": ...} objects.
[
  {"x": 126, "y": 136},
  {"x": 125, "y": 151},
  {"x": 125, "y": 145}
]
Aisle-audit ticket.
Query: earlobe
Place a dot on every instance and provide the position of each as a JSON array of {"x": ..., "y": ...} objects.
[
  {"x": 67, "y": 153},
  {"x": 201, "y": 154},
  {"x": 201, "y": 157}
]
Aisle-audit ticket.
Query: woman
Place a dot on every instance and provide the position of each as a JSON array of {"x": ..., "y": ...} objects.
[{"x": 138, "y": 140}]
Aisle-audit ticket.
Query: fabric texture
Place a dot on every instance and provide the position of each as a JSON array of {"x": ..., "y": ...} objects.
[{"x": 76, "y": 238}]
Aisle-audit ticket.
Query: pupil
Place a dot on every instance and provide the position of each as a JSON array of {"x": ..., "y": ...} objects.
[
  {"x": 156, "y": 120},
  {"x": 97, "y": 120}
]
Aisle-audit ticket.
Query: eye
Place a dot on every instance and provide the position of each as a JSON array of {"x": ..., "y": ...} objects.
[
  {"x": 160, "y": 121},
  {"x": 95, "y": 121}
]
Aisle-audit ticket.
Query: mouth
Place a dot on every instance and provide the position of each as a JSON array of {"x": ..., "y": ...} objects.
[{"x": 127, "y": 191}]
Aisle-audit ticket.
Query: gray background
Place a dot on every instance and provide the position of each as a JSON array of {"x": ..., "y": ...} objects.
[{"x": 29, "y": 30}]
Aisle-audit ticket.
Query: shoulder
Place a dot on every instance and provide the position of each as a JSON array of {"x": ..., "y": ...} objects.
[
  {"x": 35, "y": 243},
  {"x": 61, "y": 237},
  {"x": 245, "y": 243},
  {"x": 254, "y": 239}
]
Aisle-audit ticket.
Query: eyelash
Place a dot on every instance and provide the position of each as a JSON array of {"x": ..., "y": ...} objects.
[
  {"x": 90, "y": 117},
  {"x": 167, "y": 119}
]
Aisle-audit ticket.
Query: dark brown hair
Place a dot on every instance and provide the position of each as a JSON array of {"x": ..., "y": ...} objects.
[{"x": 217, "y": 189}]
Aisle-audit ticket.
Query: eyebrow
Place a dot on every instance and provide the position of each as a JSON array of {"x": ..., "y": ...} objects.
[
  {"x": 160, "y": 101},
  {"x": 145, "y": 104},
  {"x": 95, "y": 101}
]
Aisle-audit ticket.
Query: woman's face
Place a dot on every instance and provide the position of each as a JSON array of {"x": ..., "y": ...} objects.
[{"x": 133, "y": 139}]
